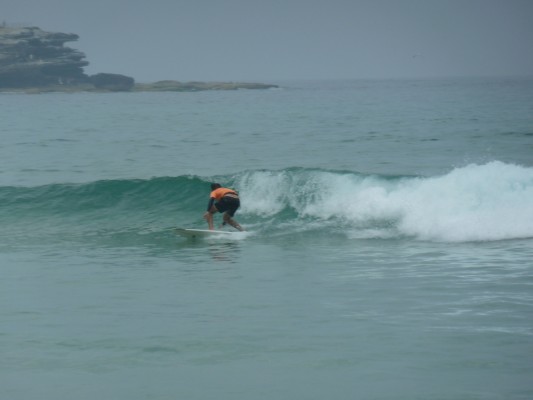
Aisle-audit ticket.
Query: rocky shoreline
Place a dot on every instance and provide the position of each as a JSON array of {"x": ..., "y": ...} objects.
[
  {"x": 176, "y": 86},
  {"x": 35, "y": 61},
  {"x": 161, "y": 86}
]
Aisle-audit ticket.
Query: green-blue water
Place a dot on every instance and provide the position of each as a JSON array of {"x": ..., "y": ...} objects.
[{"x": 389, "y": 253}]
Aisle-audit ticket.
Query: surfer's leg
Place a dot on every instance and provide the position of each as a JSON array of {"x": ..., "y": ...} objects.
[{"x": 227, "y": 219}]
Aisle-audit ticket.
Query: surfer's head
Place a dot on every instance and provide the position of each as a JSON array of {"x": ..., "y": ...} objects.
[{"x": 215, "y": 186}]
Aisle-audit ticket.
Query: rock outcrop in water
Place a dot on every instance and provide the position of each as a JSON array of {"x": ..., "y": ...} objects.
[
  {"x": 33, "y": 60},
  {"x": 112, "y": 82}
]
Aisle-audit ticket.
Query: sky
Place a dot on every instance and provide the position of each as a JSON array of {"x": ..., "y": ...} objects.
[{"x": 273, "y": 40}]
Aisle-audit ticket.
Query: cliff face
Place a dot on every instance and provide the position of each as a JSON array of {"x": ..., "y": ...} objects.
[
  {"x": 36, "y": 61},
  {"x": 30, "y": 57}
]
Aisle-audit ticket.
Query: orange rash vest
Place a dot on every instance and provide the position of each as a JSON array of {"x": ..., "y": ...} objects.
[{"x": 217, "y": 194}]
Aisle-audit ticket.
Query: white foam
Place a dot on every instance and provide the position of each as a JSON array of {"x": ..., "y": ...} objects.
[
  {"x": 477, "y": 202},
  {"x": 263, "y": 192}
]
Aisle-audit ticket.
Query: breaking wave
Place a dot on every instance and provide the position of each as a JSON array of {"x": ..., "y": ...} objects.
[{"x": 486, "y": 202}]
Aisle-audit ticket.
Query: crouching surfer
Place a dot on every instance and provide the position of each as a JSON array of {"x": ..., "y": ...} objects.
[{"x": 225, "y": 201}]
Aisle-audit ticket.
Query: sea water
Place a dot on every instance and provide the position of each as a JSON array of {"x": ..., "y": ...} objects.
[{"x": 389, "y": 252}]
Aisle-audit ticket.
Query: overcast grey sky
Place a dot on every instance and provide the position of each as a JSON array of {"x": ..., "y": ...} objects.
[{"x": 269, "y": 40}]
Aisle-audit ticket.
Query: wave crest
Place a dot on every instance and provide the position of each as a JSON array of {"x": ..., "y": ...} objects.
[{"x": 493, "y": 201}]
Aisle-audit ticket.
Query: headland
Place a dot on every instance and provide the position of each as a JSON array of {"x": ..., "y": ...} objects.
[{"x": 36, "y": 61}]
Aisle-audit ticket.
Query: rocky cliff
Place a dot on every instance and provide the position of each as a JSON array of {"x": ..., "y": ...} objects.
[
  {"x": 30, "y": 57},
  {"x": 36, "y": 61}
]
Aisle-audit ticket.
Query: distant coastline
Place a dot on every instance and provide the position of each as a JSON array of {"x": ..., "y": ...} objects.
[
  {"x": 35, "y": 61},
  {"x": 160, "y": 86}
]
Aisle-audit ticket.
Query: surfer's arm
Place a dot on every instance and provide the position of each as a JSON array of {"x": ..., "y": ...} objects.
[
  {"x": 210, "y": 204},
  {"x": 208, "y": 215}
]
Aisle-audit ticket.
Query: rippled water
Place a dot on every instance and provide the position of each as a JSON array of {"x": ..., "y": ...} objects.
[{"x": 388, "y": 256}]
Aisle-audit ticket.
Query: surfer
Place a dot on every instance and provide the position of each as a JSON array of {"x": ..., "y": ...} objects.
[{"x": 222, "y": 200}]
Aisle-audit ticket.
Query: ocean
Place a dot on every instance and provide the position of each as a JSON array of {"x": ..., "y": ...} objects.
[{"x": 388, "y": 252}]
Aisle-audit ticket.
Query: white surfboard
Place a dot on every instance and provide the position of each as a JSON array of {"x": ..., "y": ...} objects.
[{"x": 199, "y": 233}]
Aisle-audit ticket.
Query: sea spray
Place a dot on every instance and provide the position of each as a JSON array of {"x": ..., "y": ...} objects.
[
  {"x": 477, "y": 202},
  {"x": 487, "y": 202}
]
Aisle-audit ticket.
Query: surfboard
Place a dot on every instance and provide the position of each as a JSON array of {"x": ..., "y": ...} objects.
[{"x": 198, "y": 233}]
